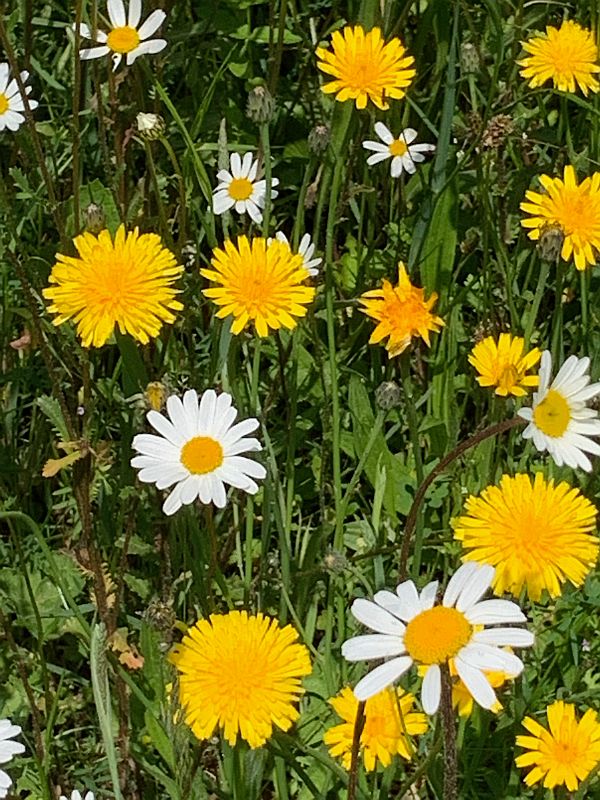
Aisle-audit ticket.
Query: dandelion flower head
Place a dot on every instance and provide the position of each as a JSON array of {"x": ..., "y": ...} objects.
[{"x": 503, "y": 365}]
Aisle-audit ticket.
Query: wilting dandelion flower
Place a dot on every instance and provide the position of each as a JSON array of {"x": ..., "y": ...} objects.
[
  {"x": 11, "y": 101},
  {"x": 389, "y": 721},
  {"x": 198, "y": 450},
  {"x": 125, "y": 37},
  {"x": 453, "y": 632},
  {"x": 401, "y": 312},
  {"x": 240, "y": 189},
  {"x": 8, "y": 749},
  {"x": 76, "y": 795},
  {"x": 572, "y": 208},
  {"x": 559, "y": 420},
  {"x": 365, "y": 68},
  {"x": 404, "y": 154},
  {"x": 127, "y": 283},
  {"x": 306, "y": 250},
  {"x": 567, "y": 55},
  {"x": 242, "y": 674},
  {"x": 537, "y": 535},
  {"x": 564, "y": 755},
  {"x": 503, "y": 365},
  {"x": 261, "y": 282}
]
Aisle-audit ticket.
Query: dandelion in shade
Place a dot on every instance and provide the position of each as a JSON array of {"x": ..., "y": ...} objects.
[
  {"x": 306, "y": 249},
  {"x": 8, "y": 750},
  {"x": 560, "y": 420},
  {"x": 239, "y": 189},
  {"x": 12, "y": 108},
  {"x": 126, "y": 37},
  {"x": 567, "y": 55},
  {"x": 405, "y": 154},
  {"x": 240, "y": 674},
  {"x": 364, "y": 67},
  {"x": 565, "y": 753},
  {"x": 401, "y": 312},
  {"x": 503, "y": 365},
  {"x": 198, "y": 450},
  {"x": 389, "y": 720},
  {"x": 571, "y": 209}
]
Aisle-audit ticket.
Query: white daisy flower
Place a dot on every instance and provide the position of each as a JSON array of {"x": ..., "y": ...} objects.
[
  {"x": 8, "y": 749},
  {"x": 240, "y": 188},
  {"x": 403, "y": 153},
  {"x": 559, "y": 419},
  {"x": 11, "y": 101},
  {"x": 306, "y": 250},
  {"x": 198, "y": 450},
  {"x": 412, "y": 629},
  {"x": 76, "y": 795},
  {"x": 125, "y": 37}
]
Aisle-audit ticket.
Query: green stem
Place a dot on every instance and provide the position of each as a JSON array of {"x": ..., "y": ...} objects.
[
  {"x": 164, "y": 224},
  {"x": 181, "y": 185},
  {"x": 254, "y": 409},
  {"x": 537, "y": 299},
  {"x": 584, "y": 279},
  {"x": 266, "y": 147},
  {"x": 76, "y": 182},
  {"x": 359, "y": 724}
]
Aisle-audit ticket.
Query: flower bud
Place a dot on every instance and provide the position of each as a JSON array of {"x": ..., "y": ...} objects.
[
  {"x": 260, "y": 105},
  {"x": 150, "y": 126},
  {"x": 388, "y": 395},
  {"x": 318, "y": 139},
  {"x": 94, "y": 218}
]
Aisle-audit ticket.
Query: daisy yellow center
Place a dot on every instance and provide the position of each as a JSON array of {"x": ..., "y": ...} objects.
[
  {"x": 553, "y": 414},
  {"x": 123, "y": 39},
  {"x": 436, "y": 635},
  {"x": 201, "y": 455},
  {"x": 398, "y": 147},
  {"x": 240, "y": 189},
  {"x": 3, "y": 104}
]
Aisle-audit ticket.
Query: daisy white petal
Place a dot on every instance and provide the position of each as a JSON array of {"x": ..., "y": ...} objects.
[
  {"x": 93, "y": 52},
  {"x": 384, "y": 133},
  {"x": 116, "y": 13},
  {"x": 477, "y": 684},
  {"x": 477, "y": 586},
  {"x": 505, "y": 637},
  {"x": 152, "y": 24},
  {"x": 377, "y": 680},
  {"x": 431, "y": 690},
  {"x": 370, "y": 646},
  {"x": 489, "y": 612},
  {"x": 458, "y": 582},
  {"x": 376, "y": 618},
  {"x": 491, "y": 659}
]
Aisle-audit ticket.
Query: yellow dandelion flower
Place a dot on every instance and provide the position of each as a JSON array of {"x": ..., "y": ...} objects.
[
  {"x": 402, "y": 312},
  {"x": 389, "y": 720},
  {"x": 127, "y": 283},
  {"x": 260, "y": 282},
  {"x": 565, "y": 754},
  {"x": 240, "y": 673},
  {"x": 364, "y": 67},
  {"x": 503, "y": 365},
  {"x": 534, "y": 533},
  {"x": 573, "y": 208},
  {"x": 567, "y": 55}
]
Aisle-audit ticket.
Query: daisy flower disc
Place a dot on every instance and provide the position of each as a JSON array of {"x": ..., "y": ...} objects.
[
  {"x": 198, "y": 450},
  {"x": 567, "y": 55},
  {"x": 260, "y": 282},
  {"x": 534, "y": 533},
  {"x": 410, "y": 628},
  {"x": 240, "y": 189},
  {"x": 502, "y": 364},
  {"x": 12, "y": 108},
  {"x": 565, "y": 754},
  {"x": 364, "y": 67},
  {"x": 404, "y": 154},
  {"x": 8, "y": 750},
  {"x": 389, "y": 720},
  {"x": 559, "y": 420},
  {"x": 242, "y": 674},
  {"x": 572, "y": 208},
  {"x": 401, "y": 312},
  {"x": 125, "y": 282}
]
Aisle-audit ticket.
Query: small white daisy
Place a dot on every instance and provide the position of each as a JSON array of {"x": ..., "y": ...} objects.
[
  {"x": 125, "y": 38},
  {"x": 76, "y": 795},
  {"x": 559, "y": 419},
  {"x": 11, "y": 102},
  {"x": 306, "y": 250},
  {"x": 403, "y": 153},
  {"x": 452, "y": 633},
  {"x": 199, "y": 450},
  {"x": 8, "y": 749},
  {"x": 240, "y": 188}
]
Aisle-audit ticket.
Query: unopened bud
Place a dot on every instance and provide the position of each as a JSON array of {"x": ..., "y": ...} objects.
[
  {"x": 150, "y": 126},
  {"x": 469, "y": 58},
  {"x": 260, "y": 105},
  {"x": 318, "y": 139},
  {"x": 335, "y": 561},
  {"x": 95, "y": 220},
  {"x": 388, "y": 395},
  {"x": 155, "y": 395}
]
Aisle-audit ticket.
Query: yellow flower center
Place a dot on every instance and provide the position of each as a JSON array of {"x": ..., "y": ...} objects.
[
  {"x": 398, "y": 147},
  {"x": 240, "y": 189},
  {"x": 434, "y": 636},
  {"x": 509, "y": 377},
  {"x": 123, "y": 39},
  {"x": 553, "y": 414},
  {"x": 201, "y": 455},
  {"x": 3, "y": 103}
]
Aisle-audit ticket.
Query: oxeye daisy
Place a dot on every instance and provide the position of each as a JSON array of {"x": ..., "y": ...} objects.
[
  {"x": 404, "y": 154},
  {"x": 503, "y": 365},
  {"x": 572, "y": 210},
  {"x": 260, "y": 282},
  {"x": 125, "y": 38},
  {"x": 240, "y": 188},
  {"x": 564, "y": 755},
  {"x": 567, "y": 55},
  {"x": 401, "y": 312},
  {"x": 389, "y": 721},
  {"x": 306, "y": 249},
  {"x": 559, "y": 420},
  {"x": 413, "y": 629},
  {"x": 537, "y": 535},
  {"x": 8, "y": 750},
  {"x": 76, "y": 795},
  {"x": 241, "y": 674},
  {"x": 364, "y": 67},
  {"x": 125, "y": 282},
  {"x": 198, "y": 450},
  {"x": 11, "y": 101}
]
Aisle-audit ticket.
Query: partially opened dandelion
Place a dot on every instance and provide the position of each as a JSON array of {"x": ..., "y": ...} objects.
[
  {"x": 404, "y": 151},
  {"x": 12, "y": 107},
  {"x": 504, "y": 366},
  {"x": 241, "y": 674},
  {"x": 239, "y": 188}
]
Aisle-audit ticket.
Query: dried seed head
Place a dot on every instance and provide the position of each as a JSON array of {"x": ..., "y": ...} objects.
[
  {"x": 497, "y": 131},
  {"x": 388, "y": 395},
  {"x": 318, "y": 139}
]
